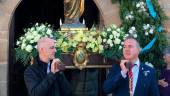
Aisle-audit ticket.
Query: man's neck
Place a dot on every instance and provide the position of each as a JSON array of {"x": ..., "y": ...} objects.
[
  {"x": 42, "y": 58},
  {"x": 134, "y": 60}
]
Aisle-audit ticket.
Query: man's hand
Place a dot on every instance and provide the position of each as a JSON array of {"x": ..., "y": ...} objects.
[
  {"x": 123, "y": 67},
  {"x": 163, "y": 83},
  {"x": 54, "y": 65}
]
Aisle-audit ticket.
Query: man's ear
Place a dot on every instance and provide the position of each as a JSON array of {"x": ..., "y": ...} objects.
[
  {"x": 140, "y": 49},
  {"x": 41, "y": 49}
]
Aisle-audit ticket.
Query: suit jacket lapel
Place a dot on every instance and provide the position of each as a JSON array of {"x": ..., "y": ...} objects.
[{"x": 140, "y": 81}]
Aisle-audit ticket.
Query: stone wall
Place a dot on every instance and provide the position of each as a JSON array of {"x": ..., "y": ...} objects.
[
  {"x": 6, "y": 8},
  {"x": 165, "y": 4},
  {"x": 109, "y": 14}
]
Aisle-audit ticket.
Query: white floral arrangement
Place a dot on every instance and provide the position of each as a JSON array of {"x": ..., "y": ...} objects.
[
  {"x": 148, "y": 29},
  {"x": 27, "y": 43},
  {"x": 141, "y": 6},
  {"x": 112, "y": 40},
  {"x": 106, "y": 42},
  {"x": 129, "y": 16},
  {"x": 132, "y": 31}
]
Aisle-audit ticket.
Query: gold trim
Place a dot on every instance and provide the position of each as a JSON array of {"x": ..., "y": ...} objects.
[
  {"x": 80, "y": 57},
  {"x": 90, "y": 66}
]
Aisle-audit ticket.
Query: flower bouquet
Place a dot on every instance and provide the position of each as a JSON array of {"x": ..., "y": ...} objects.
[{"x": 106, "y": 42}]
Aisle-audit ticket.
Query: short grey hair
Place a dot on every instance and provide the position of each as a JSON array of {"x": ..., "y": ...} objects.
[
  {"x": 42, "y": 41},
  {"x": 137, "y": 42}
]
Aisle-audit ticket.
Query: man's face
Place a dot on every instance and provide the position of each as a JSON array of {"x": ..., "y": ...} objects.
[
  {"x": 49, "y": 49},
  {"x": 130, "y": 49},
  {"x": 167, "y": 58}
]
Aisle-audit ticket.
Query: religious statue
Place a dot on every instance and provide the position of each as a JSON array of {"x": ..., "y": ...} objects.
[
  {"x": 84, "y": 82},
  {"x": 73, "y": 10}
]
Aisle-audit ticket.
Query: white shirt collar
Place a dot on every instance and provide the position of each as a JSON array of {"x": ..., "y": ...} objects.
[{"x": 137, "y": 62}]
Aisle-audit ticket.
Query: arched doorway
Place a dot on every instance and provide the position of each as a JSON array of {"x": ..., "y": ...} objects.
[{"x": 27, "y": 13}]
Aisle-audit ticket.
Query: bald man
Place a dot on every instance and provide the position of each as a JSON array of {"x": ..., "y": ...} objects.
[{"x": 43, "y": 78}]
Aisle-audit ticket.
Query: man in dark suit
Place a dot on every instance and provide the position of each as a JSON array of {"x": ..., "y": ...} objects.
[
  {"x": 136, "y": 80},
  {"x": 43, "y": 77}
]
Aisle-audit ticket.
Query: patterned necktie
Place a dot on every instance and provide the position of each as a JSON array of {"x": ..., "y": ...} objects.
[{"x": 130, "y": 74}]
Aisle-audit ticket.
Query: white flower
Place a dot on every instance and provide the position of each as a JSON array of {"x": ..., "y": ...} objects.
[
  {"x": 21, "y": 38},
  {"x": 118, "y": 29},
  {"x": 108, "y": 29},
  {"x": 104, "y": 34},
  {"x": 144, "y": 9},
  {"x": 122, "y": 43},
  {"x": 32, "y": 29},
  {"x": 109, "y": 41},
  {"x": 117, "y": 35},
  {"x": 49, "y": 31},
  {"x": 34, "y": 33},
  {"x": 114, "y": 26},
  {"x": 151, "y": 31},
  {"x": 131, "y": 12},
  {"x": 146, "y": 33},
  {"x": 23, "y": 45},
  {"x": 18, "y": 42},
  {"x": 130, "y": 31},
  {"x": 148, "y": 25},
  {"x": 31, "y": 41},
  {"x": 145, "y": 27},
  {"x": 29, "y": 36},
  {"x": 104, "y": 40},
  {"x": 114, "y": 32},
  {"x": 131, "y": 16},
  {"x": 111, "y": 44},
  {"x": 111, "y": 36},
  {"x": 135, "y": 35},
  {"x": 28, "y": 48},
  {"x": 42, "y": 27},
  {"x": 126, "y": 35},
  {"x": 117, "y": 41},
  {"x": 120, "y": 47},
  {"x": 35, "y": 46},
  {"x": 126, "y": 17},
  {"x": 137, "y": 5},
  {"x": 141, "y": 3},
  {"x": 133, "y": 28},
  {"x": 37, "y": 38}
]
